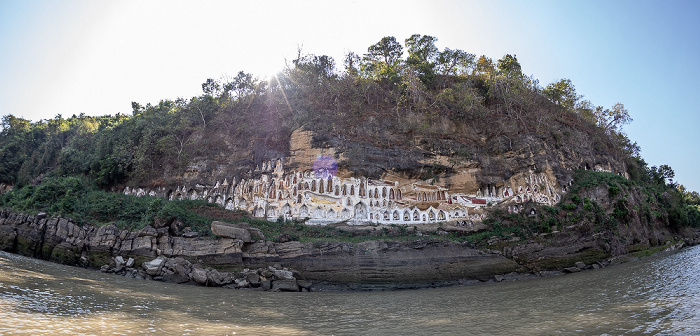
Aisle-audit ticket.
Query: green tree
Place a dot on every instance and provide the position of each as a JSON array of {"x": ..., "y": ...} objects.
[
  {"x": 211, "y": 87},
  {"x": 352, "y": 64},
  {"x": 484, "y": 67},
  {"x": 16, "y": 145},
  {"x": 387, "y": 50},
  {"x": 562, "y": 93},
  {"x": 421, "y": 48},
  {"x": 383, "y": 60},
  {"x": 613, "y": 119},
  {"x": 509, "y": 67},
  {"x": 13, "y": 125},
  {"x": 455, "y": 62},
  {"x": 318, "y": 69},
  {"x": 422, "y": 56},
  {"x": 241, "y": 86},
  {"x": 136, "y": 108},
  {"x": 661, "y": 174},
  {"x": 587, "y": 111}
]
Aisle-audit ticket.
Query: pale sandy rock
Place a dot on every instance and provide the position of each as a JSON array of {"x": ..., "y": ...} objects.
[{"x": 228, "y": 230}]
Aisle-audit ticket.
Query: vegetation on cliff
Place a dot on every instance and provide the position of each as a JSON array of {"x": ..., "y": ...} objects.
[
  {"x": 381, "y": 110},
  {"x": 79, "y": 199},
  {"x": 597, "y": 203},
  {"x": 608, "y": 206}
]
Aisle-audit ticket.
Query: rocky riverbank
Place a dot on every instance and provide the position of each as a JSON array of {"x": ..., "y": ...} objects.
[
  {"x": 241, "y": 257},
  {"x": 179, "y": 270}
]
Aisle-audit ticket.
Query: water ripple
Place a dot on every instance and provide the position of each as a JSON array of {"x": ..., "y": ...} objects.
[{"x": 659, "y": 295}]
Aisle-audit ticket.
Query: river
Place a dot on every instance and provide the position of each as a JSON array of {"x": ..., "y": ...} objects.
[{"x": 659, "y": 295}]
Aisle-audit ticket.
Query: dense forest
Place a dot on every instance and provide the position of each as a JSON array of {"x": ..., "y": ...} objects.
[{"x": 385, "y": 110}]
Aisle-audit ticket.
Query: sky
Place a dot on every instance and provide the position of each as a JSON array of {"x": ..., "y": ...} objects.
[{"x": 96, "y": 57}]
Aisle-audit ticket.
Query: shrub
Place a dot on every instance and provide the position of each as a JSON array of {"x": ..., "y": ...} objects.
[
  {"x": 613, "y": 190},
  {"x": 569, "y": 206}
]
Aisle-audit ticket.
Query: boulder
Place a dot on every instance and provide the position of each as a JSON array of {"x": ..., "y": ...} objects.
[
  {"x": 174, "y": 277},
  {"x": 580, "y": 265},
  {"x": 572, "y": 269},
  {"x": 256, "y": 234},
  {"x": 83, "y": 261},
  {"x": 154, "y": 266},
  {"x": 8, "y": 236},
  {"x": 199, "y": 274},
  {"x": 259, "y": 247},
  {"x": 163, "y": 232},
  {"x": 217, "y": 278},
  {"x": 284, "y": 275},
  {"x": 253, "y": 279},
  {"x": 177, "y": 227},
  {"x": 296, "y": 274},
  {"x": 161, "y": 223},
  {"x": 266, "y": 284},
  {"x": 177, "y": 270},
  {"x": 283, "y": 238},
  {"x": 242, "y": 283},
  {"x": 304, "y": 284},
  {"x": 285, "y": 285},
  {"x": 141, "y": 275},
  {"x": 64, "y": 253},
  {"x": 228, "y": 230}
]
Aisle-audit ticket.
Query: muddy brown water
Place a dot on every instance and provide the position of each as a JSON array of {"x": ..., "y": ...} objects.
[{"x": 659, "y": 295}]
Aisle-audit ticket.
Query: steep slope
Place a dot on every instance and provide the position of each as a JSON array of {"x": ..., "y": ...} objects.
[{"x": 435, "y": 137}]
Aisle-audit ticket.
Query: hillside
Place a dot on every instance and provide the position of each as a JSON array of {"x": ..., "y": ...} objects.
[
  {"x": 437, "y": 136},
  {"x": 392, "y": 172}
]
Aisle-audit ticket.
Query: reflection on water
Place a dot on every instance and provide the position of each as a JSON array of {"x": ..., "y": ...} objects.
[{"x": 658, "y": 295}]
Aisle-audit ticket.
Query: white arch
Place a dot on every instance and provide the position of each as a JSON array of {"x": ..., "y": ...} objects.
[{"x": 361, "y": 210}]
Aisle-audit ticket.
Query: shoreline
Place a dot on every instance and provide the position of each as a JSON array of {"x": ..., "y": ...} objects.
[
  {"x": 323, "y": 286},
  {"x": 236, "y": 260}
]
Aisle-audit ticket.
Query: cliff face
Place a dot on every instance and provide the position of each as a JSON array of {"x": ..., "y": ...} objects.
[
  {"x": 357, "y": 150},
  {"x": 368, "y": 264},
  {"x": 362, "y": 183}
]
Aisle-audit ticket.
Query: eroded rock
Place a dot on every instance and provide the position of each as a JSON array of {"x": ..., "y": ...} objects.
[
  {"x": 153, "y": 267},
  {"x": 289, "y": 285},
  {"x": 199, "y": 274},
  {"x": 232, "y": 231}
]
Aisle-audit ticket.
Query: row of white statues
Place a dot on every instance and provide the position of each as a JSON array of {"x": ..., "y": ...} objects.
[{"x": 325, "y": 198}]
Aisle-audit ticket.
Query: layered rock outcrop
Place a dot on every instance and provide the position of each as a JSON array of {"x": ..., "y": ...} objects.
[
  {"x": 161, "y": 255},
  {"x": 367, "y": 264}
]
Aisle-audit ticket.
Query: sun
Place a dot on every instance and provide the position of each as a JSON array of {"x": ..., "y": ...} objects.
[{"x": 264, "y": 67}]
